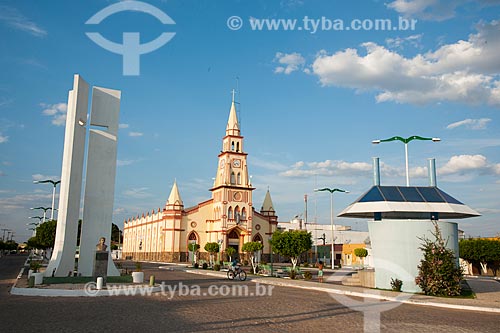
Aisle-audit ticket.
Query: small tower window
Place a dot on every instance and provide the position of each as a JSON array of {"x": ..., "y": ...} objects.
[
  {"x": 237, "y": 146},
  {"x": 232, "y": 145},
  {"x": 243, "y": 214},
  {"x": 230, "y": 213},
  {"x": 233, "y": 178},
  {"x": 239, "y": 178}
]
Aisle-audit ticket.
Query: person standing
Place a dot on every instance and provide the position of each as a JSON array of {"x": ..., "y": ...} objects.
[{"x": 320, "y": 271}]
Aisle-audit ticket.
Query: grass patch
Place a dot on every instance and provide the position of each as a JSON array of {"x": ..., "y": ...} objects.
[{"x": 85, "y": 279}]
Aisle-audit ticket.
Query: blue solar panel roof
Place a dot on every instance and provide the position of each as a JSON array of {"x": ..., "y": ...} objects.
[{"x": 407, "y": 194}]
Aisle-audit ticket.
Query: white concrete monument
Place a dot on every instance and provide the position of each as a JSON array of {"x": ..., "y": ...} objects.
[
  {"x": 100, "y": 178},
  {"x": 62, "y": 262}
]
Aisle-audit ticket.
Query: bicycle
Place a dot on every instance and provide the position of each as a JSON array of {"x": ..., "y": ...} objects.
[{"x": 236, "y": 271}]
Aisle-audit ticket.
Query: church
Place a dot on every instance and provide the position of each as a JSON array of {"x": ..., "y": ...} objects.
[{"x": 228, "y": 217}]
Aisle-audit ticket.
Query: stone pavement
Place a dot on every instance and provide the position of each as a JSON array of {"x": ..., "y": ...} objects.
[
  {"x": 488, "y": 299},
  {"x": 487, "y": 291}
]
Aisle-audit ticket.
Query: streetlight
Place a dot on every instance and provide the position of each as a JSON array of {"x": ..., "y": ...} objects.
[
  {"x": 331, "y": 190},
  {"x": 406, "y": 141},
  {"x": 54, "y": 183},
  {"x": 45, "y": 209},
  {"x": 37, "y": 217}
]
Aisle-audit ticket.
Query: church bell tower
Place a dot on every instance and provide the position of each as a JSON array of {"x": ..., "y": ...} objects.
[{"x": 232, "y": 189}]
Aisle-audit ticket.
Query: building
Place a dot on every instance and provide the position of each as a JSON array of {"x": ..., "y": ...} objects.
[
  {"x": 400, "y": 218},
  {"x": 322, "y": 241},
  {"x": 228, "y": 217}
]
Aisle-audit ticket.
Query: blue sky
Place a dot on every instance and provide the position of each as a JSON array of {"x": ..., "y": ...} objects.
[{"x": 311, "y": 102}]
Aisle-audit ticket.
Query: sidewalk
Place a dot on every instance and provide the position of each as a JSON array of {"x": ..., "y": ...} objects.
[{"x": 487, "y": 300}]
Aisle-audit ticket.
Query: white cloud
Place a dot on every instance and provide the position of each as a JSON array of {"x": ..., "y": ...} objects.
[
  {"x": 289, "y": 62},
  {"x": 463, "y": 72},
  {"x": 463, "y": 163},
  {"x": 56, "y": 111},
  {"x": 123, "y": 126},
  {"x": 475, "y": 124},
  {"x": 400, "y": 42},
  {"x": 22, "y": 202},
  {"x": 435, "y": 10},
  {"x": 137, "y": 193},
  {"x": 135, "y": 134},
  {"x": 3, "y": 138},
  {"x": 44, "y": 177},
  {"x": 326, "y": 168},
  {"x": 13, "y": 18},
  {"x": 124, "y": 162},
  {"x": 267, "y": 164}
]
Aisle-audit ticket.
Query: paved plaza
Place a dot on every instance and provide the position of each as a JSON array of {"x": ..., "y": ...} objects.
[{"x": 286, "y": 309}]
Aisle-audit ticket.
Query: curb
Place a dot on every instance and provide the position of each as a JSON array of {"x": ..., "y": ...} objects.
[
  {"x": 129, "y": 291},
  {"x": 332, "y": 290}
]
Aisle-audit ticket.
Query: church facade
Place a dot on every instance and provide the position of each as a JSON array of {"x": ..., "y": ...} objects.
[{"x": 228, "y": 217}]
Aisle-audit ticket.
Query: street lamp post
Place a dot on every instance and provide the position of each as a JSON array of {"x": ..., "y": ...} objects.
[
  {"x": 331, "y": 190},
  {"x": 45, "y": 209},
  {"x": 54, "y": 184},
  {"x": 271, "y": 253},
  {"x": 406, "y": 141}
]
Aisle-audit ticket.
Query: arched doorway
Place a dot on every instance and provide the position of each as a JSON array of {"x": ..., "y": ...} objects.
[
  {"x": 258, "y": 238},
  {"x": 192, "y": 239},
  {"x": 233, "y": 239}
]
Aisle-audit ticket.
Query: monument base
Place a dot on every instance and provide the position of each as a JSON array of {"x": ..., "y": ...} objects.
[{"x": 101, "y": 266}]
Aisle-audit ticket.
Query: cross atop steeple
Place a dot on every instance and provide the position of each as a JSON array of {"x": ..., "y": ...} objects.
[{"x": 233, "y": 92}]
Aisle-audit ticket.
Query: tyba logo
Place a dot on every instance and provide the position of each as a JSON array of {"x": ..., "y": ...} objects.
[{"x": 131, "y": 49}]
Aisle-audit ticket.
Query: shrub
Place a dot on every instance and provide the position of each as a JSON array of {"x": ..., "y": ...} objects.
[
  {"x": 205, "y": 265},
  {"x": 196, "y": 265},
  {"x": 305, "y": 265},
  {"x": 293, "y": 274},
  {"x": 439, "y": 275},
  {"x": 138, "y": 266},
  {"x": 217, "y": 267},
  {"x": 396, "y": 284},
  {"x": 35, "y": 266},
  {"x": 308, "y": 275}
]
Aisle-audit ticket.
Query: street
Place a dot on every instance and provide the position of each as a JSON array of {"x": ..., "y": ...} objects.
[{"x": 285, "y": 310}]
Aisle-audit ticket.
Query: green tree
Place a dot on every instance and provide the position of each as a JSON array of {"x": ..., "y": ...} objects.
[
  {"x": 361, "y": 253},
  {"x": 116, "y": 234},
  {"x": 439, "y": 274},
  {"x": 230, "y": 251},
  {"x": 291, "y": 244},
  {"x": 251, "y": 249},
  {"x": 32, "y": 243},
  {"x": 481, "y": 253},
  {"x": 193, "y": 247},
  {"x": 212, "y": 248},
  {"x": 46, "y": 234}
]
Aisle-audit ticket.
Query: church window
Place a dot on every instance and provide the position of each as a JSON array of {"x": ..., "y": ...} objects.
[
  {"x": 192, "y": 236},
  {"x": 230, "y": 213},
  {"x": 237, "y": 146},
  {"x": 232, "y": 145},
  {"x": 233, "y": 178},
  {"x": 243, "y": 214},
  {"x": 239, "y": 178}
]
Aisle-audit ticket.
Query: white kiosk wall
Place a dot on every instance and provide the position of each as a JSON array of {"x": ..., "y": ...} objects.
[
  {"x": 62, "y": 261},
  {"x": 395, "y": 247}
]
